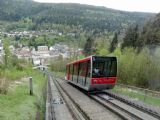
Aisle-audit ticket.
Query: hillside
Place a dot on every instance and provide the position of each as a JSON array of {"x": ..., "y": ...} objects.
[
  {"x": 84, "y": 16},
  {"x": 151, "y": 31}
]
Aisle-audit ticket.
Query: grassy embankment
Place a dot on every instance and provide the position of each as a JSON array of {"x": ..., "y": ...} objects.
[
  {"x": 138, "y": 95},
  {"x": 16, "y": 103}
]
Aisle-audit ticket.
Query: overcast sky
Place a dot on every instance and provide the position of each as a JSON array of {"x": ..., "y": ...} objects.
[{"x": 127, "y": 5}]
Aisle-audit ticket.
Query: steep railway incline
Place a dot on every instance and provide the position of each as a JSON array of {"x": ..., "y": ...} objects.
[
  {"x": 93, "y": 109},
  {"x": 93, "y": 106},
  {"x": 80, "y": 106},
  {"x": 56, "y": 108},
  {"x": 149, "y": 109}
]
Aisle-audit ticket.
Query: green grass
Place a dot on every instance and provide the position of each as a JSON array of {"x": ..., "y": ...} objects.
[
  {"x": 17, "y": 104},
  {"x": 140, "y": 95},
  {"x": 14, "y": 74}
]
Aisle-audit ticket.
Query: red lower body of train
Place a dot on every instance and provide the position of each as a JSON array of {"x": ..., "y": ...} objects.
[{"x": 93, "y": 73}]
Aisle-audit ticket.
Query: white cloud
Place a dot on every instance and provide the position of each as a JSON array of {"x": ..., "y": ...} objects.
[{"x": 127, "y": 5}]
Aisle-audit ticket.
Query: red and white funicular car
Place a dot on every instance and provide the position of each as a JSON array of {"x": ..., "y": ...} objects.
[{"x": 93, "y": 73}]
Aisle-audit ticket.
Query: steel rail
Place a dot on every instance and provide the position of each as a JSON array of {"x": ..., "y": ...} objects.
[
  {"x": 133, "y": 104},
  {"x": 122, "y": 113},
  {"x": 74, "y": 108}
]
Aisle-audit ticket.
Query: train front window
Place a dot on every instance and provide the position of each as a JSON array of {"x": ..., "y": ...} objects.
[{"x": 104, "y": 68}]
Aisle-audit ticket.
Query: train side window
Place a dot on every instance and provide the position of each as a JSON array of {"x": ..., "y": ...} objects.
[
  {"x": 71, "y": 68},
  {"x": 75, "y": 69},
  {"x": 83, "y": 69}
]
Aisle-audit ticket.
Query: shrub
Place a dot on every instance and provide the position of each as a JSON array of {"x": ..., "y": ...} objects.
[
  {"x": 136, "y": 68},
  {"x": 4, "y": 83}
]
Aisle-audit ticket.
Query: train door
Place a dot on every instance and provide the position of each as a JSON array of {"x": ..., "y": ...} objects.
[
  {"x": 75, "y": 72},
  {"x": 88, "y": 73},
  {"x": 81, "y": 73},
  {"x": 84, "y": 73}
]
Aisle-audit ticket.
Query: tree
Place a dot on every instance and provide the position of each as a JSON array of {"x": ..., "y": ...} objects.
[
  {"x": 131, "y": 38},
  {"x": 89, "y": 47},
  {"x": 101, "y": 45},
  {"x": 151, "y": 33},
  {"x": 103, "y": 52},
  {"x": 7, "y": 53},
  {"x": 32, "y": 42},
  {"x": 114, "y": 43}
]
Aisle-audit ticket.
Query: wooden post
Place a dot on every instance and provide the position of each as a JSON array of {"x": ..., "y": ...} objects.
[{"x": 30, "y": 86}]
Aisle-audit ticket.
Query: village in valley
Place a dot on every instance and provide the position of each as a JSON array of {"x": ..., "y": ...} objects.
[{"x": 43, "y": 54}]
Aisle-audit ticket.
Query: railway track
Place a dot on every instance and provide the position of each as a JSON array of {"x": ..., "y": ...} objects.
[
  {"x": 62, "y": 107},
  {"x": 129, "y": 112},
  {"x": 110, "y": 102},
  {"x": 74, "y": 108},
  {"x": 145, "y": 109},
  {"x": 80, "y": 111}
]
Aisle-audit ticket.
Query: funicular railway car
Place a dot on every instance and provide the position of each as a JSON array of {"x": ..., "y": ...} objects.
[{"x": 93, "y": 73}]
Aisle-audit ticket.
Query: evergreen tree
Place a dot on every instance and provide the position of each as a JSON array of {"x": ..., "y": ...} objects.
[
  {"x": 32, "y": 42},
  {"x": 114, "y": 43},
  {"x": 131, "y": 38},
  {"x": 151, "y": 31},
  {"x": 89, "y": 47}
]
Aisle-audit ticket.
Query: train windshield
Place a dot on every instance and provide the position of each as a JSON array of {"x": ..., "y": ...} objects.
[{"x": 104, "y": 67}]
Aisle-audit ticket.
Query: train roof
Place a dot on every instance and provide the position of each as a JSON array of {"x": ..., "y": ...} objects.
[
  {"x": 81, "y": 60},
  {"x": 87, "y": 58}
]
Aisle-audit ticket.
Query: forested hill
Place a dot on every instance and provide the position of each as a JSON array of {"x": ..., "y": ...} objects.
[
  {"x": 84, "y": 16},
  {"x": 151, "y": 31}
]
